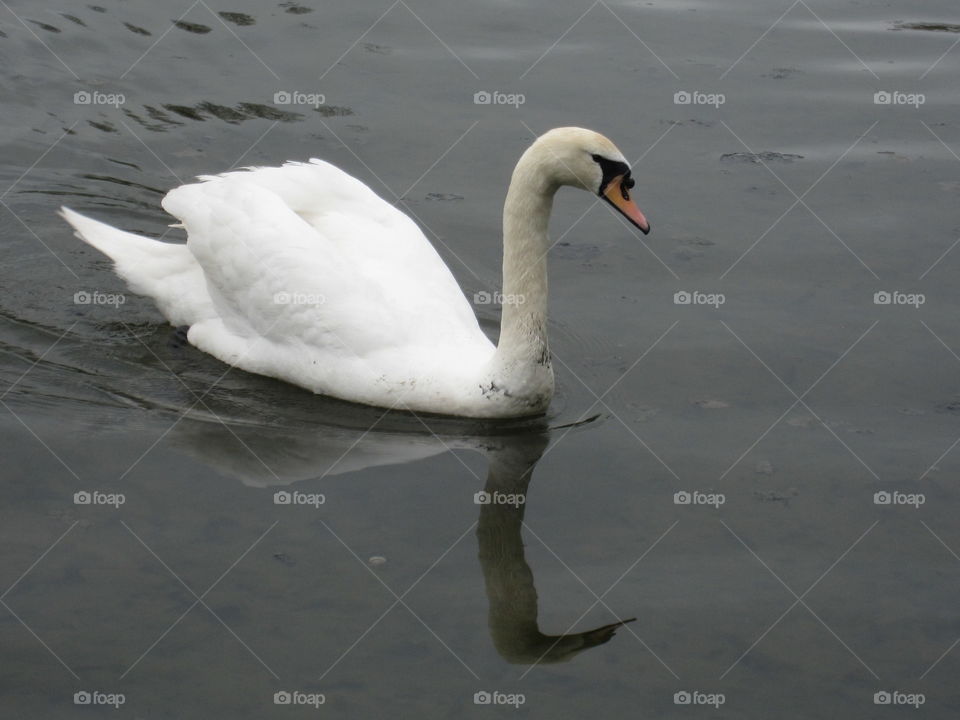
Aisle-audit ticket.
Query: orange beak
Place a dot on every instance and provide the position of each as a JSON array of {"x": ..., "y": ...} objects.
[{"x": 617, "y": 195}]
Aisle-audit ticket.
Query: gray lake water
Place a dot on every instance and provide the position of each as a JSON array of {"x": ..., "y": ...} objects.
[{"x": 785, "y": 188}]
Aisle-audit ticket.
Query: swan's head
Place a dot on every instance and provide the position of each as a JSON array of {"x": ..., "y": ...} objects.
[{"x": 587, "y": 160}]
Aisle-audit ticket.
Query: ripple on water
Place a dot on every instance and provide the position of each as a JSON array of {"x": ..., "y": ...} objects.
[
  {"x": 106, "y": 127},
  {"x": 909, "y": 67},
  {"x": 241, "y": 19},
  {"x": 45, "y": 26},
  {"x": 761, "y": 157},
  {"x": 137, "y": 29},
  {"x": 165, "y": 117},
  {"x": 927, "y": 26},
  {"x": 805, "y": 21},
  {"x": 295, "y": 9},
  {"x": 190, "y": 27}
]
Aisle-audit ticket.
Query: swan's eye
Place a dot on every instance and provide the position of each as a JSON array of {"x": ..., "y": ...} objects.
[{"x": 613, "y": 170}]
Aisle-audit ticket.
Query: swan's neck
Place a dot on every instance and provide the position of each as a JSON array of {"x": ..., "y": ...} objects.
[{"x": 523, "y": 354}]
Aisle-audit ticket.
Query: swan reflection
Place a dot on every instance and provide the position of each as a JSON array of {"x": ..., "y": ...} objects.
[{"x": 263, "y": 457}]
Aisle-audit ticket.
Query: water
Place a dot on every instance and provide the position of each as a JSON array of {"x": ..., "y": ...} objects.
[{"x": 798, "y": 398}]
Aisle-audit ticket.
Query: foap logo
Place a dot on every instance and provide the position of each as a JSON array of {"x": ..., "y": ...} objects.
[
  {"x": 895, "y": 697},
  {"x": 498, "y": 498},
  {"x": 284, "y": 497},
  {"x": 497, "y": 298},
  {"x": 296, "y": 697},
  {"x": 295, "y": 97},
  {"x": 895, "y": 97},
  {"x": 894, "y": 497},
  {"x": 95, "y": 297},
  {"x": 695, "y": 497},
  {"x": 896, "y": 297},
  {"x": 684, "y": 297},
  {"x": 482, "y": 97},
  {"x": 495, "y": 697},
  {"x": 695, "y": 97},
  {"x": 95, "y": 697},
  {"x": 298, "y": 298},
  {"x": 95, "y": 97},
  {"x": 696, "y": 697},
  {"x": 84, "y": 497}
]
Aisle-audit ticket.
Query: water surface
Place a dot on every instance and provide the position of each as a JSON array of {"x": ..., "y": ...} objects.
[{"x": 797, "y": 199}]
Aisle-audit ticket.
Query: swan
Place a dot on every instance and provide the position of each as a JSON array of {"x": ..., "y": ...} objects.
[{"x": 303, "y": 273}]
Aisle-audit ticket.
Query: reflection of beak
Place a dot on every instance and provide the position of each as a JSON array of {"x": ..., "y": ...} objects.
[{"x": 616, "y": 194}]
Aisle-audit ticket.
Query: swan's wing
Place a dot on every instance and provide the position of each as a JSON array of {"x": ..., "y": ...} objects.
[
  {"x": 369, "y": 234},
  {"x": 345, "y": 276}
]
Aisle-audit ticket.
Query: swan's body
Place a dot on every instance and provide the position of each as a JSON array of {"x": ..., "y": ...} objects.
[{"x": 303, "y": 273}]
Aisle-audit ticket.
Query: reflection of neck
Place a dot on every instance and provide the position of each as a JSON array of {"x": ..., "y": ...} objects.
[{"x": 509, "y": 580}]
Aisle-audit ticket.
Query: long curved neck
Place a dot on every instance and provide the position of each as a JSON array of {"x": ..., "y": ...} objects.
[{"x": 526, "y": 214}]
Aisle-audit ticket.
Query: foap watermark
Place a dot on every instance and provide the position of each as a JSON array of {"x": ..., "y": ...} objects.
[
  {"x": 684, "y": 297},
  {"x": 498, "y": 298},
  {"x": 298, "y": 298},
  {"x": 498, "y": 498},
  {"x": 284, "y": 497},
  {"x": 695, "y": 497},
  {"x": 95, "y": 97},
  {"x": 95, "y": 497},
  {"x": 896, "y": 697},
  {"x": 895, "y": 97},
  {"x": 896, "y": 297},
  {"x": 95, "y": 297},
  {"x": 296, "y": 697},
  {"x": 696, "y": 697},
  {"x": 295, "y": 97},
  {"x": 96, "y": 697},
  {"x": 895, "y": 497},
  {"x": 495, "y": 697},
  {"x": 696, "y": 97},
  {"x": 495, "y": 97}
]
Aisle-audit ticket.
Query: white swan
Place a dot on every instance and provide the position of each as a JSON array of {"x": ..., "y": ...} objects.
[{"x": 303, "y": 273}]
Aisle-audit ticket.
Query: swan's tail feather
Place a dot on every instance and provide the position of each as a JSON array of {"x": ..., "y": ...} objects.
[
  {"x": 126, "y": 249},
  {"x": 166, "y": 272}
]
